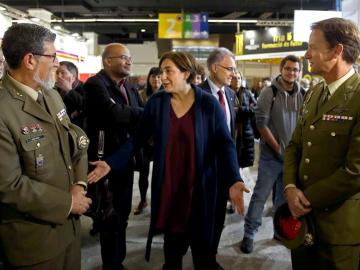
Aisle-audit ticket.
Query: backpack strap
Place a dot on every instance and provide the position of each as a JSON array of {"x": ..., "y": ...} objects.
[{"x": 274, "y": 90}]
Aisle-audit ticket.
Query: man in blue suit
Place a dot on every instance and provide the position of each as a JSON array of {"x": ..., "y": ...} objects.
[{"x": 222, "y": 68}]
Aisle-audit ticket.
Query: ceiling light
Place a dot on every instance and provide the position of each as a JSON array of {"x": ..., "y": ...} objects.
[
  {"x": 143, "y": 30},
  {"x": 34, "y": 19}
]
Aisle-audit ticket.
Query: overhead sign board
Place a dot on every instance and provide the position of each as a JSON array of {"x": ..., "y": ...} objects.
[
  {"x": 187, "y": 25},
  {"x": 274, "y": 39}
]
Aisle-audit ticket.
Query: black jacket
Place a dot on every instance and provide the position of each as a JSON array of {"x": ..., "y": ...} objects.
[
  {"x": 106, "y": 109},
  {"x": 245, "y": 133},
  {"x": 74, "y": 101}
]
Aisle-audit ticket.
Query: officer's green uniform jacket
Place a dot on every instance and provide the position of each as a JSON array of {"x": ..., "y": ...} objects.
[
  {"x": 323, "y": 160},
  {"x": 42, "y": 155}
]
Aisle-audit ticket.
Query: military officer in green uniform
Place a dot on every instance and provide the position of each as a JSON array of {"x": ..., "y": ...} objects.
[
  {"x": 322, "y": 160},
  {"x": 43, "y": 159}
]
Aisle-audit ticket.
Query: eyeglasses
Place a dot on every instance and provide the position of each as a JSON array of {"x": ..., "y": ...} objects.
[
  {"x": 53, "y": 56},
  {"x": 122, "y": 57},
  {"x": 231, "y": 69},
  {"x": 289, "y": 69}
]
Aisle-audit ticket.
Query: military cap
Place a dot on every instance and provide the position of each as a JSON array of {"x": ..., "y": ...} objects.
[{"x": 291, "y": 231}]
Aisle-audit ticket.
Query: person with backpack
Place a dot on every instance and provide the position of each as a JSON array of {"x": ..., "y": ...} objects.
[{"x": 277, "y": 112}]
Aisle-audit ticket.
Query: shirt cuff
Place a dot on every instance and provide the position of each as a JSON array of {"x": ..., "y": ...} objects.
[
  {"x": 289, "y": 186},
  {"x": 82, "y": 183},
  {"x": 70, "y": 206}
]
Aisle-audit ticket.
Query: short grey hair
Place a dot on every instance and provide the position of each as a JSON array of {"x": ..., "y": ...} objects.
[
  {"x": 217, "y": 56},
  {"x": 23, "y": 38}
]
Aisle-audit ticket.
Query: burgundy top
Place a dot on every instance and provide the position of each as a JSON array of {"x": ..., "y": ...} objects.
[{"x": 179, "y": 174}]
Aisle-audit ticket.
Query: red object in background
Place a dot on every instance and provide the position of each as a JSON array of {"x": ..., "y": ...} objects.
[
  {"x": 289, "y": 227},
  {"x": 85, "y": 76}
]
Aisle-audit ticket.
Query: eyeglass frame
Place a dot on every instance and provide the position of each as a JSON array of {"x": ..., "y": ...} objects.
[
  {"x": 47, "y": 55},
  {"x": 122, "y": 57},
  {"x": 289, "y": 69},
  {"x": 231, "y": 69}
]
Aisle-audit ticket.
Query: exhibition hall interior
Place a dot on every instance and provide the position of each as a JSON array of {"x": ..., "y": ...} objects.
[{"x": 258, "y": 34}]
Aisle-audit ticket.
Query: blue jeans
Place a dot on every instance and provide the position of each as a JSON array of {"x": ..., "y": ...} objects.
[{"x": 270, "y": 175}]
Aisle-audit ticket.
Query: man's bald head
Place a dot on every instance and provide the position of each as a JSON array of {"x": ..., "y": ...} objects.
[{"x": 117, "y": 61}]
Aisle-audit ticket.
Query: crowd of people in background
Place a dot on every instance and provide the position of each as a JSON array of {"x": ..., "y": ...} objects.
[{"x": 197, "y": 128}]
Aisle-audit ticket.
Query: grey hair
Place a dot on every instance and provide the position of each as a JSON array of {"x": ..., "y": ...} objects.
[
  {"x": 217, "y": 56},
  {"x": 23, "y": 38}
]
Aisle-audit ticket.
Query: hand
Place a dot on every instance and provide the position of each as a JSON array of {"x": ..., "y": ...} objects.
[
  {"x": 101, "y": 169},
  {"x": 298, "y": 203},
  {"x": 236, "y": 194},
  {"x": 80, "y": 203}
]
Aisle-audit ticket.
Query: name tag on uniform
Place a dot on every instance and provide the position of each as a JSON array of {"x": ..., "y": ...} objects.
[
  {"x": 39, "y": 161},
  {"x": 61, "y": 114},
  {"x": 336, "y": 118}
]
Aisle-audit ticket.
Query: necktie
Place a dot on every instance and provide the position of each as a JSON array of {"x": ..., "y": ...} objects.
[
  {"x": 221, "y": 100},
  {"x": 123, "y": 93},
  {"x": 40, "y": 100},
  {"x": 324, "y": 97}
]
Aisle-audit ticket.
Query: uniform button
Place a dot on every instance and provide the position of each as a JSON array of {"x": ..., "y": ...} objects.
[
  {"x": 307, "y": 160},
  {"x": 333, "y": 134},
  {"x": 312, "y": 127},
  {"x": 305, "y": 177},
  {"x": 69, "y": 167},
  {"x": 309, "y": 144}
]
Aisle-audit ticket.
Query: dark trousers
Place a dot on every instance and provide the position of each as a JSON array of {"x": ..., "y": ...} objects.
[
  {"x": 144, "y": 179},
  {"x": 323, "y": 256},
  {"x": 219, "y": 223},
  {"x": 175, "y": 247},
  {"x": 113, "y": 227},
  {"x": 144, "y": 169}
]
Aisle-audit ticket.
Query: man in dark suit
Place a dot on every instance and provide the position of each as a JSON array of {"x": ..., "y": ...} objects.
[
  {"x": 44, "y": 165},
  {"x": 222, "y": 68},
  {"x": 322, "y": 160},
  {"x": 113, "y": 106}
]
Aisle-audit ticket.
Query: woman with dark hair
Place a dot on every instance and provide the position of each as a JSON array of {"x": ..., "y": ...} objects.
[
  {"x": 244, "y": 117},
  {"x": 199, "y": 77},
  {"x": 194, "y": 161},
  {"x": 153, "y": 85}
]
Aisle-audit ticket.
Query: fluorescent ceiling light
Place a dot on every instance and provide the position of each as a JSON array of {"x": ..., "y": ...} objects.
[
  {"x": 91, "y": 20},
  {"x": 34, "y": 19}
]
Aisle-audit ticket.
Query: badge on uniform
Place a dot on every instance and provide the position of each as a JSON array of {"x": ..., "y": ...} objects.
[
  {"x": 61, "y": 114},
  {"x": 83, "y": 142},
  {"x": 25, "y": 130},
  {"x": 336, "y": 118},
  {"x": 33, "y": 128},
  {"x": 39, "y": 161}
]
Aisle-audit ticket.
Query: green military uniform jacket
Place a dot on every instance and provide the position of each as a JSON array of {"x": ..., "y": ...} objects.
[
  {"x": 42, "y": 155},
  {"x": 323, "y": 160}
]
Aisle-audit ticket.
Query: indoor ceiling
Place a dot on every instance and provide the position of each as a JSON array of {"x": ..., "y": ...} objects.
[{"x": 267, "y": 12}]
